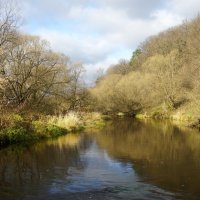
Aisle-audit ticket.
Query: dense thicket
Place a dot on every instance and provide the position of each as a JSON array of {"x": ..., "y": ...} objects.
[{"x": 164, "y": 70}]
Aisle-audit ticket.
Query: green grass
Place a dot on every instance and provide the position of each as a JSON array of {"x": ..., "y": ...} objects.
[{"x": 21, "y": 129}]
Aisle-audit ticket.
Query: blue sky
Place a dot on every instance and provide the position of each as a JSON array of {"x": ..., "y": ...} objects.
[{"x": 100, "y": 32}]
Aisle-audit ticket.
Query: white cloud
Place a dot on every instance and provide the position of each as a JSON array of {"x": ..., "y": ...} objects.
[
  {"x": 92, "y": 70},
  {"x": 184, "y": 8},
  {"x": 85, "y": 49},
  {"x": 98, "y": 30}
]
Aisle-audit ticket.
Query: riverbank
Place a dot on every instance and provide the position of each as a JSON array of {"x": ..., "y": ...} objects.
[
  {"x": 186, "y": 115},
  {"x": 32, "y": 127}
]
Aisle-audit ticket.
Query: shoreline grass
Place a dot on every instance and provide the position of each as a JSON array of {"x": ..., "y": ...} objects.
[
  {"x": 184, "y": 116},
  {"x": 16, "y": 129}
]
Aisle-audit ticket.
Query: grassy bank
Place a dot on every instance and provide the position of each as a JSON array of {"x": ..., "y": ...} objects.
[
  {"x": 30, "y": 127},
  {"x": 187, "y": 115}
]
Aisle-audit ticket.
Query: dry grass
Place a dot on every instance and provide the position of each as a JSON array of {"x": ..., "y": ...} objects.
[
  {"x": 16, "y": 128},
  {"x": 71, "y": 121}
]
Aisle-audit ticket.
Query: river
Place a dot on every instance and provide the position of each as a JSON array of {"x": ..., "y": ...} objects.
[{"x": 127, "y": 159}]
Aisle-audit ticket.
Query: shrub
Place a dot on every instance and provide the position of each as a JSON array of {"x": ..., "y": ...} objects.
[
  {"x": 15, "y": 135},
  {"x": 93, "y": 120},
  {"x": 39, "y": 128},
  {"x": 44, "y": 130},
  {"x": 17, "y": 118},
  {"x": 55, "y": 131}
]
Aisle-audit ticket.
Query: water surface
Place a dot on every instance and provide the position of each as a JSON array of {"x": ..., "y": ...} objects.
[{"x": 126, "y": 160}]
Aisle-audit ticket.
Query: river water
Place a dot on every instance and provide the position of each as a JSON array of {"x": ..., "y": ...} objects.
[{"x": 125, "y": 160}]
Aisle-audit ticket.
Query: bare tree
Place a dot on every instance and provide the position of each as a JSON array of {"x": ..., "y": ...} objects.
[
  {"x": 31, "y": 71},
  {"x": 76, "y": 86}
]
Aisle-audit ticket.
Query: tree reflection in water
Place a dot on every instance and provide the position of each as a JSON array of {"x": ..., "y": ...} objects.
[
  {"x": 40, "y": 164},
  {"x": 162, "y": 154},
  {"x": 126, "y": 160}
]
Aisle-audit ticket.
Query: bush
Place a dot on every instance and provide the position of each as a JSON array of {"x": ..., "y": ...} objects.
[
  {"x": 14, "y": 135},
  {"x": 55, "y": 131},
  {"x": 39, "y": 128},
  {"x": 93, "y": 120},
  {"x": 17, "y": 118},
  {"x": 44, "y": 130}
]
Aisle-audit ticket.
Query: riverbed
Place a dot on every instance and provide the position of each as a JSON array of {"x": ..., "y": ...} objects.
[{"x": 127, "y": 159}]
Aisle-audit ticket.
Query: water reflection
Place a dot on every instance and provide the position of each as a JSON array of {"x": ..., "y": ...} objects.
[
  {"x": 37, "y": 166},
  {"x": 126, "y": 160},
  {"x": 162, "y": 154}
]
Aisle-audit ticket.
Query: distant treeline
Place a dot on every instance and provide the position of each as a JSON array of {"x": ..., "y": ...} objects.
[{"x": 164, "y": 71}]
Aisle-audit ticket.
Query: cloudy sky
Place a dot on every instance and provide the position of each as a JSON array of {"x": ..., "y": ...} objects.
[{"x": 100, "y": 32}]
